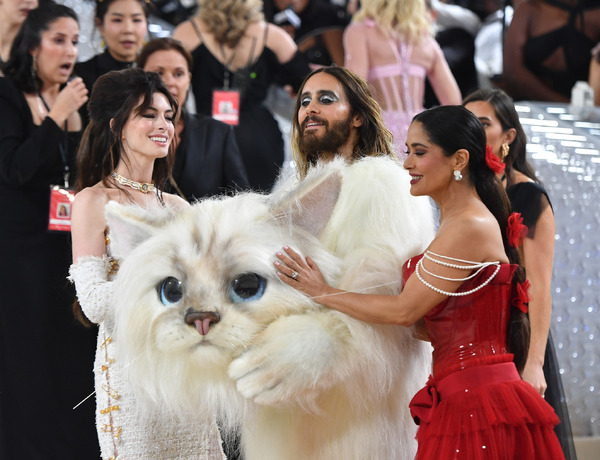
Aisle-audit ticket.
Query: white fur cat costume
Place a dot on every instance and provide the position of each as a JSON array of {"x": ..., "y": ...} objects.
[
  {"x": 122, "y": 433},
  {"x": 303, "y": 381}
]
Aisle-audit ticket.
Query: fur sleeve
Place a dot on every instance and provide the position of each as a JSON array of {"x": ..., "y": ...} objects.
[
  {"x": 94, "y": 291},
  {"x": 377, "y": 224}
]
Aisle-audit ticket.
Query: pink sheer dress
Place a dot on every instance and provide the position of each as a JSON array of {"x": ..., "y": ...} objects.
[{"x": 396, "y": 71}]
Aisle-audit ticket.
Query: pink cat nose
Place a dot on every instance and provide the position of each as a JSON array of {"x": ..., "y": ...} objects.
[{"x": 202, "y": 320}]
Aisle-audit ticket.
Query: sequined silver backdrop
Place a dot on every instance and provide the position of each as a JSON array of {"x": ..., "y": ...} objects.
[
  {"x": 565, "y": 154},
  {"x": 565, "y": 151}
]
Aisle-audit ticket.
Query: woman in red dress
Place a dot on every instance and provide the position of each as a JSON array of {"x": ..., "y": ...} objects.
[{"x": 467, "y": 293}]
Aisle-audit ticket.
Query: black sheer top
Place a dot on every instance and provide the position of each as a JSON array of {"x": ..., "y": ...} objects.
[{"x": 530, "y": 199}]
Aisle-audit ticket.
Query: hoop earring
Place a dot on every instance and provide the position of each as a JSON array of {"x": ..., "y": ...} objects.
[
  {"x": 505, "y": 150},
  {"x": 457, "y": 175}
]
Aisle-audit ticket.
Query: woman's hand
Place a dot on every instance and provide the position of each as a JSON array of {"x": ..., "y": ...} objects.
[
  {"x": 534, "y": 374},
  {"x": 71, "y": 97},
  {"x": 303, "y": 275}
]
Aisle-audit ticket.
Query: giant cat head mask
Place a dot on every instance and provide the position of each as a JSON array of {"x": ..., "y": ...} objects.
[{"x": 195, "y": 289}]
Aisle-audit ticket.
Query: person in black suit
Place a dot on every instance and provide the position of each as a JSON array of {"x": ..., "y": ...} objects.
[{"x": 207, "y": 159}]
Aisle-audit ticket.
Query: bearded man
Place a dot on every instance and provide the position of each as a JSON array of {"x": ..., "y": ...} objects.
[{"x": 375, "y": 227}]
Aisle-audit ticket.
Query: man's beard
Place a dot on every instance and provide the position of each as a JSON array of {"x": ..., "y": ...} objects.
[{"x": 325, "y": 146}]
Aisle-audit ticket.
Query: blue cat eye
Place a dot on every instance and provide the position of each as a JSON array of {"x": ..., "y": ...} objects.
[
  {"x": 169, "y": 291},
  {"x": 247, "y": 287}
]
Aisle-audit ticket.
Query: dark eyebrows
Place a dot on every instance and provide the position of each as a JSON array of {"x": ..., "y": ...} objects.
[
  {"x": 116, "y": 13},
  {"x": 154, "y": 109},
  {"x": 321, "y": 92},
  {"x": 58, "y": 34}
]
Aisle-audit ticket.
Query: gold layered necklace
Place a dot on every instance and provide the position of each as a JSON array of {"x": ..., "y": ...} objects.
[{"x": 143, "y": 187}]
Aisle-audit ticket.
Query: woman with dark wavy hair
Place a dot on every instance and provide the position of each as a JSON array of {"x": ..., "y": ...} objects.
[
  {"x": 125, "y": 156},
  {"x": 44, "y": 353},
  {"x": 469, "y": 291}
]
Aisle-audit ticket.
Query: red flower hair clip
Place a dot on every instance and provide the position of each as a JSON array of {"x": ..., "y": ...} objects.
[
  {"x": 521, "y": 299},
  {"x": 493, "y": 161},
  {"x": 515, "y": 229}
]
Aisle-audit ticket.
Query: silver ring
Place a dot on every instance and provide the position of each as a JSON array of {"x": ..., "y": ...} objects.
[{"x": 294, "y": 275}]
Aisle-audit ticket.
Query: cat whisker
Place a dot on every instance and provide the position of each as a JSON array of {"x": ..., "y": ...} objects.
[
  {"x": 84, "y": 400},
  {"x": 363, "y": 290},
  {"x": 94, "y": 392}
]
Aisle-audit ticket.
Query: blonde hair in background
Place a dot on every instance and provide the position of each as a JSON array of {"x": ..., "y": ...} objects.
[
  {"x": 408, "y": 18},
  {"x": 227, "y": 20}
]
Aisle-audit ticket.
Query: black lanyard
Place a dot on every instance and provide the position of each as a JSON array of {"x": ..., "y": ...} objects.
[{"x": 63, "y": 147}]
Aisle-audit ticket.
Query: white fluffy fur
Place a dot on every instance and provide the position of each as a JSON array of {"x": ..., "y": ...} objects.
[{"x": 303, "y": 381}]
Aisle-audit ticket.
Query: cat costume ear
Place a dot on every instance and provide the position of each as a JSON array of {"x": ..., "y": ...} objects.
[
  {"x": 310, "y": 205},
  {"x": 130, "y": 225}
]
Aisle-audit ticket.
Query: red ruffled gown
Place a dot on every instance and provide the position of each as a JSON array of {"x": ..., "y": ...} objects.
[{"x": 475, "y": 405}]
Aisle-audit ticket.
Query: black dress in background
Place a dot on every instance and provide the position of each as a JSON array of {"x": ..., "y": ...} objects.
[
  {"x": 530, "y": 199},
  {"x": 257, "y": 134},
  {"x": 46, "y": 357}
]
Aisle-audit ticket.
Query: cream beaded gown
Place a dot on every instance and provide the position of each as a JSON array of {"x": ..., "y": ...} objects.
[{"x": 123, "y": 432}]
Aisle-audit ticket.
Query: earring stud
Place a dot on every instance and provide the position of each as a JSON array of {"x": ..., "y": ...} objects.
[{"x": 457, "y": 175}]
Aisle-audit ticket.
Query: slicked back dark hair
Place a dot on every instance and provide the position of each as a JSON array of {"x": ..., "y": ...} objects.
[
  {"x": 102, "y": 7},
  {"x": 453, "y": 127}
]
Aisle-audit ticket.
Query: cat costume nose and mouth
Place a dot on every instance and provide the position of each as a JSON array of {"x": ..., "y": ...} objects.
[{"x": 202, "y": 320}]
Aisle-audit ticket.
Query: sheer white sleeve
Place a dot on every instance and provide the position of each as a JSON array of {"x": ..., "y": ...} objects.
[{"x": 94, "y": 290}]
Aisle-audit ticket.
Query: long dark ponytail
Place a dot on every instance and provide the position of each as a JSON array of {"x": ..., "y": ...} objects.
[{"x": 453, "y": 127}]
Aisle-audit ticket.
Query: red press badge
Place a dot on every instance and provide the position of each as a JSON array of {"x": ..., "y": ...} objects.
[
  {"x": 60, "y": 209},
  {"x": 226, "y": 106}
]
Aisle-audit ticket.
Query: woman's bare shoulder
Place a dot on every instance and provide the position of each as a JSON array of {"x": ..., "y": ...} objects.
[
  {"x": 94, "y": 195},
  {"x": 187, "y": 35},
  {"x": 471, "y": 236},
  {"x": 279, "y": 41}
]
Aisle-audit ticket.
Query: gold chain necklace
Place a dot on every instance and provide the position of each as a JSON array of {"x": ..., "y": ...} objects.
[{"x": 143, "y": 187}]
